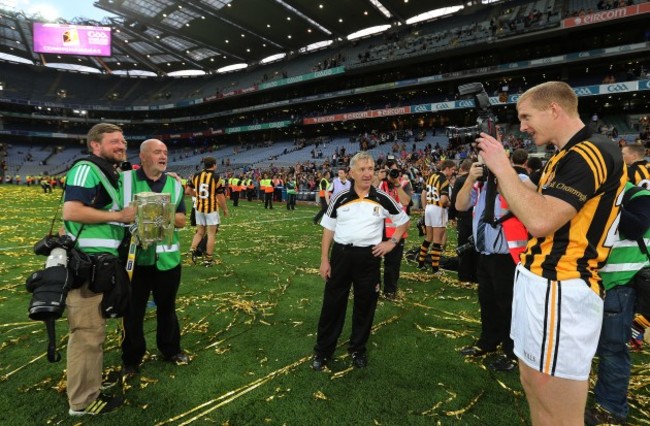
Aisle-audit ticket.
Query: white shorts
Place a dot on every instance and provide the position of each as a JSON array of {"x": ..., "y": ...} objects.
[
  {"x": 207, "y": 218},
  {"x": 555, "y": 324},
  {"x": 435, "y": 216}
]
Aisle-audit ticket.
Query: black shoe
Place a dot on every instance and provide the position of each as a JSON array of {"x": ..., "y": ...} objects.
[
  {"x": 390, "y": 296},
  {"x": 422, "y": 266},
  {"x": 130, "y": 370},
  {"x": 114, "y": 377},
  {"x": 359, "y": 360},
  {"x": 474, "y": 351},
  {"x": 318, "y": 362},
  {"x": 103, "y": 404},
  {"x": 597, "y": 415},
  {"x": 178, "y": 359},
  {"x": 504, "y": 363}
]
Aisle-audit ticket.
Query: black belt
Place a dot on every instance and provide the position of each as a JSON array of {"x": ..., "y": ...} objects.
[{"x": 353, "y": 247}]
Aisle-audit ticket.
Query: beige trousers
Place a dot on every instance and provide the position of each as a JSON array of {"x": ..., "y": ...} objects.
[{"x": 85, "y": 347}]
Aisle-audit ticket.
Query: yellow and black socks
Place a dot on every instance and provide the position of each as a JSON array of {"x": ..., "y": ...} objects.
[
  {"x": 424, "y": 249},
  {"x": 436, "y": 253}
]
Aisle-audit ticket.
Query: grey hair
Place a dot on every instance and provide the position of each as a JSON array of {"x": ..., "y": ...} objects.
[{"x": 361, "y": 156}]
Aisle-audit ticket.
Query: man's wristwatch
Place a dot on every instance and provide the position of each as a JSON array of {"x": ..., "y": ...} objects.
[{"x": 394, "y": 240}]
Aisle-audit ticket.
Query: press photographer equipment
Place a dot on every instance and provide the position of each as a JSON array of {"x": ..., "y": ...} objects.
[
  {"x": 49, "y": 287},
  {"x": 469, "y": 245},
  {"x": 485, "y": 123}
]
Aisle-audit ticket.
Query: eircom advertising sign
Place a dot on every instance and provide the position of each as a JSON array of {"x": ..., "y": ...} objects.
[{"x": 72, "y": 39}]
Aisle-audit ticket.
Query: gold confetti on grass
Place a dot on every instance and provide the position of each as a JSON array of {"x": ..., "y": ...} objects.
[
  {"x": 319, "y": 395},
  {"x": 433, "y": 411},
  {"x": 458, "y": 413},
  {"x": 452, "y": 334},
  {"x": 228, "y": 397},
  {"x": 146, "y": 381},
  {"x": 341, "y": 373},
  {"x": 517, "y": 393},
  {"x": 42, "y": 385}
]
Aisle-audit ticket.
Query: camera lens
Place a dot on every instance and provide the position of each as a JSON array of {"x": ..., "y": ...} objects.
[{"x": 394, "y": 173}]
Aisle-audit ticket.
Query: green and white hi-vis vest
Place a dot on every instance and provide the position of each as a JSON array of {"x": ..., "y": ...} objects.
[
  {"x": 626, "y": 257},
  {"x": 95, "y": 237},
  {"x": 163, "y": 256}
]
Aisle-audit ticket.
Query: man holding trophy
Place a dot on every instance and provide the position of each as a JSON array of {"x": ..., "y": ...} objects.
[{"x": 154, "y": 255}]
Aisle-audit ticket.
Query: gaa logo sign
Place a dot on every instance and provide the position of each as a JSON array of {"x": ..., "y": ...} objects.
[
  {"x": 442, "y": 105},
  {"x": 421, "y": 108},
  {"x": 97, "y": 34},
  {"x": 619, "y": 87},
  {"x": 583, "y": 91},
  {"x": 465, "y": 104}
]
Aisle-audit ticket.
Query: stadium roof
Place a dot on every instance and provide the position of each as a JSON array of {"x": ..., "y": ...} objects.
[{"x": 168, "y": 36}]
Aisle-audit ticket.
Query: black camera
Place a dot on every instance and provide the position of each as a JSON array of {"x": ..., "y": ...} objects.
[
  {"x": 50, "y": 285},
  {"x": 45, "y": 245},
  {"x": 469, "y": 245},
  {"x": 393, "y": 173},
  {"x": 485, "y": 121},
  {"x": 483, "y": 177}
]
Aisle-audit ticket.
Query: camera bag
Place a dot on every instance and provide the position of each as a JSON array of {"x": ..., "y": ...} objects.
[{"x": 111, "y": 279}]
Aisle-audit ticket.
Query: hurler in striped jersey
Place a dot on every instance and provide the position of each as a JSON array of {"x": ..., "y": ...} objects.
[{"x": 572, "y": 218}]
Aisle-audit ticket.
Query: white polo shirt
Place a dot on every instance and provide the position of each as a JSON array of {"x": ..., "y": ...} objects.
[
  {"x": 337, "y": 186},
  {"x": 360, "y": 221}
]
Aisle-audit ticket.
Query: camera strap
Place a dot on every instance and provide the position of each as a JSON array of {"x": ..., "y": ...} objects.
[
  {"x": 643, "y": 247},
  {"x": 490, "y": 198},
  {"x": 56, "y": 213},
  {"x": 52, "y": 354}
]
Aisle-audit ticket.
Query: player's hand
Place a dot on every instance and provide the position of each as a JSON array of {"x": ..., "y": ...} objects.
[
  {"x": 325, "y": 270},
  {"x": 492, "y": 153}
]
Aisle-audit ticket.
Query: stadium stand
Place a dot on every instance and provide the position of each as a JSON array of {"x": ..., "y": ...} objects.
[{"x": 413, "y": 69}]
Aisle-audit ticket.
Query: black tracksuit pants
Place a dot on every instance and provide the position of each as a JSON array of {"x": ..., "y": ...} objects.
[
  {"x": 392, "y": 266},
  {"x": 164, "y": 286},
  {"x": 350, "y": 267},
  {"x": 495, "y": 275}
]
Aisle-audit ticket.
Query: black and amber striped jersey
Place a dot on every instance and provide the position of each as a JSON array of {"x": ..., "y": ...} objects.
[
  {"x": 588, "y": 173},
  {"x": 207, "y": 185},
  {"x": 437, "y": 185},
  {"x": 639, "y": 173}
]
